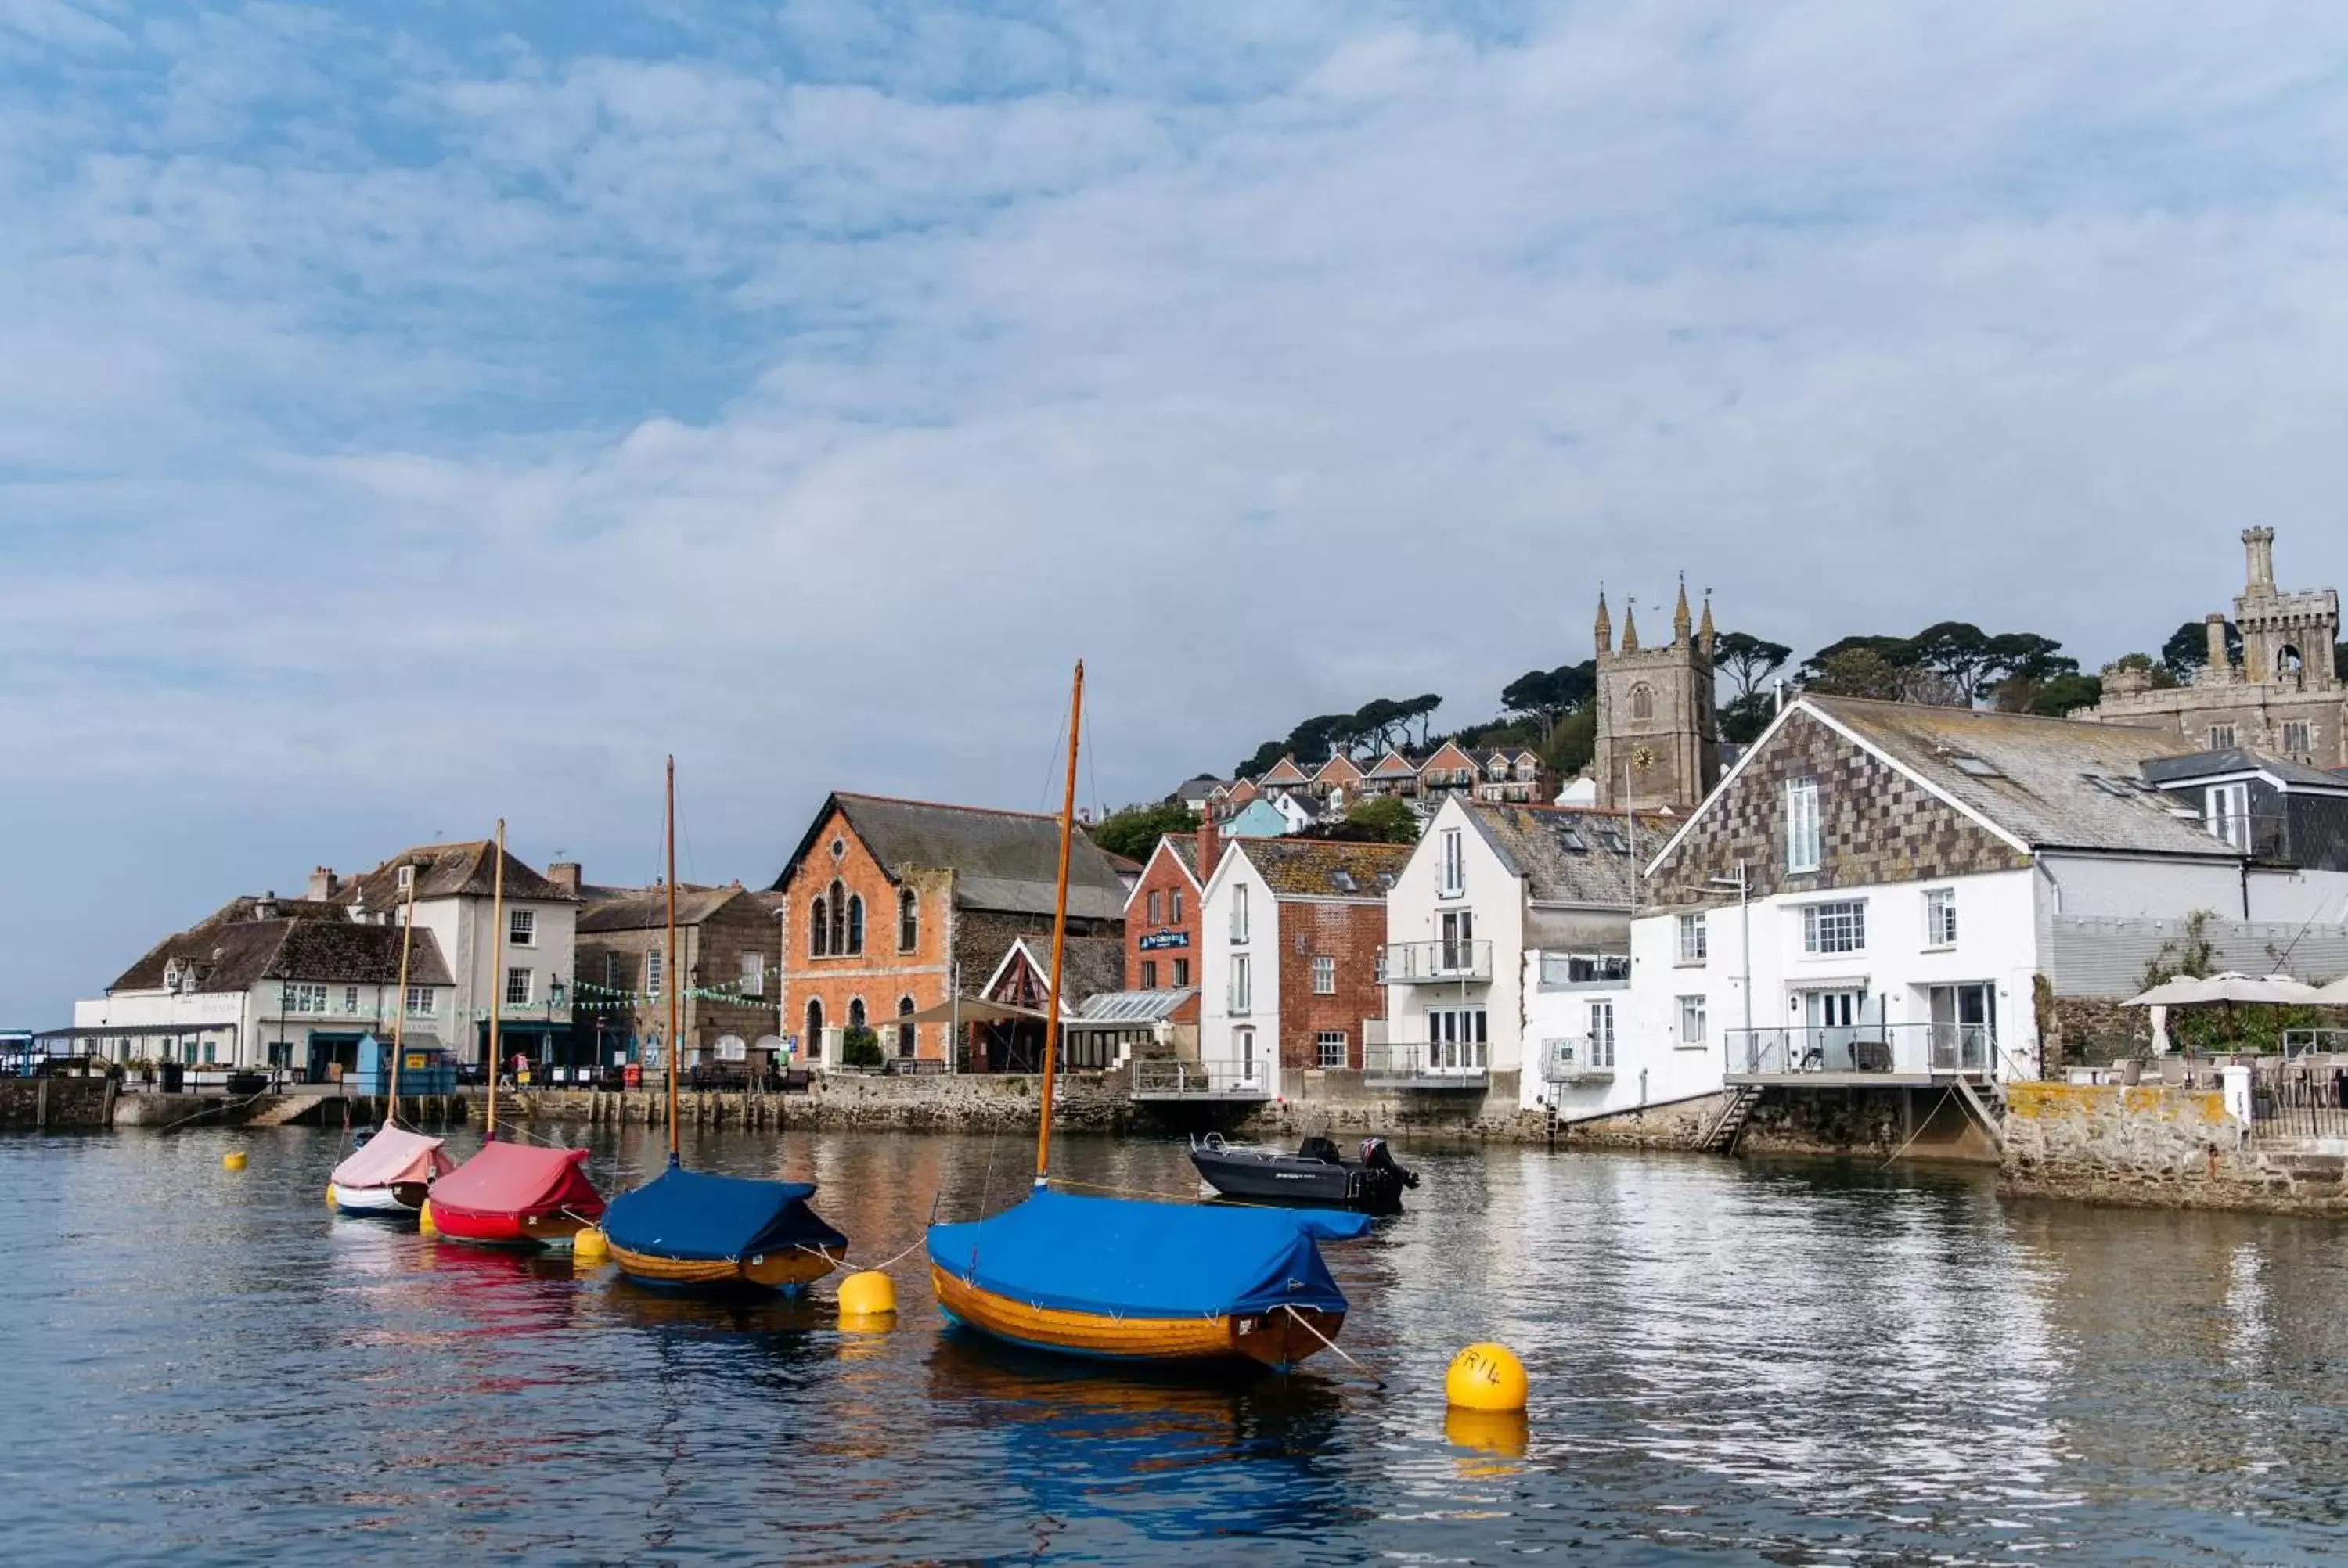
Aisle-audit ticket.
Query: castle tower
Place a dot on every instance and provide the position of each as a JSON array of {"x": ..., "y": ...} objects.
[
  {"x": 1658, "y": 731},
  {"x": 2287, "y": 638}
]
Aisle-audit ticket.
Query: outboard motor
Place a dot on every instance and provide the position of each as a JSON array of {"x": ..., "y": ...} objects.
[{"x": 1378, "y": 1157}]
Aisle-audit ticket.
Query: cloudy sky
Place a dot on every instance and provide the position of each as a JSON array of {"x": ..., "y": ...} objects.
[{"x": 416, "y": 410}]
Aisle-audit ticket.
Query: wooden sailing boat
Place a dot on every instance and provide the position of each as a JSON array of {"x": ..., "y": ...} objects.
[
  {"x": 392, "y": 1172},
  {"x": 512, "y": 1195},
  {"x": 714, "y": 1233},
  {"x": 1129, "y": 1279}
]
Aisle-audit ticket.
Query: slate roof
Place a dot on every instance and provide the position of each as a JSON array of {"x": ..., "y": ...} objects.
[
  {"x": 1569, "y": 855},
  {"x": 2053, "y": 784},
  {"x": 2238, "y": 760},
  {"x": 1006, "y": 861},
  {"x": 313, "y": 942},
  {"x": 1311, "y": 868},
  {"x": 451, "y": 870},
  {"x": 1192, "y": 791},
  {"x": 646, "y": 909},
  {"x": 195, "y": 944},
  {"x": 1395, "y": 765}
]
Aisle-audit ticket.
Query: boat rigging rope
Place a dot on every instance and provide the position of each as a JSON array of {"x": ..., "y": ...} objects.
[
  {"x": 1332, "y": 1345},
  {"x": 1191, "y": 1197}
]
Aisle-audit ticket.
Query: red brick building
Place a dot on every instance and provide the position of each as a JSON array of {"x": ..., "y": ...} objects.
[
  {"x": 893, "y": 906},
  {"x": 1161, "y": 913}
]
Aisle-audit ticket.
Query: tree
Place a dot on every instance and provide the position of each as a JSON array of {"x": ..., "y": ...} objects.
[
  {"x": 1545, "y": 696},
  {"x": 1960, "y": 653},
  {"x": 1311, "y": 742},
  {"x": 1261, "y": 762},
  {"x": 1134, "y": 832},
  {"x": 2059, "y": 696},
  {"x": 2188, "y": 649},
  {"x": 1746, "y": 660},
  {"x": 1574, "y": 741},
  {"x": 1891, "y": 651},
  {"x": 1385, "y": 818},
  {"x": 1746, "y": 716},
  {"x": 1418, "y": 710},
  {"x": 1856, "y": 671}
]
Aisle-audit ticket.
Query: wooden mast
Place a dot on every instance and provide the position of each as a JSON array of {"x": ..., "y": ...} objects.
[
  {"x": 497, "y": 973},
  {"x": 668, "y": 965},
  {"x": 399, "y": 1002},
  {"x": 1059, "y": 930}
]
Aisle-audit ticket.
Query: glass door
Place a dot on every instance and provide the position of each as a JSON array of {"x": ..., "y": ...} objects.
[
  {"x": 1964, "y": 1027},
  {"x": 1458, "y": 952},
  {"x": 1832, "y": 1023}
]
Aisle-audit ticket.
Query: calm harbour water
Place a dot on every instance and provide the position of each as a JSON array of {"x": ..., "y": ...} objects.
[{"x": 1789, "y": 1364}]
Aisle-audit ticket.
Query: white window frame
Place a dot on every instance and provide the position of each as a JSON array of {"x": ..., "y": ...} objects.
[
  {"x": 1451, "y": 872},
  {"x": 1849, "y": 913},
  {"x": 1241, "y": 991},
  {"x": 1694, "y": 1025},
  {"x": 1940, "y": 917},
  {"x": 1174, "y": 909},
  {"x": 1601, "y": 1032},
  {"x": 350, "y": 998},
  {"x": 654, "y": 974},
  {"x": 2302, "y": 731},
  {"x": 754, "y": 973},
  {"x": 2227, "y": 813},
  {"x": 1802, "y": 848},
  {"x": 421, "y": 1001},
  {"x": 307, "y": 998},
  {"x": 528, "y": 978},
  {"x": 1239, "y": 912},
  {"x": 2224, "y": 737},
  {"x": 1324, "y": 976},
  {"x": 404, "y": 878},
  {"x": 1157, "y": 903},
  {"x": 1696, "y": 940},
  {"x": 1323, "y": 1043},
  {"x": 522, "y": 928}
]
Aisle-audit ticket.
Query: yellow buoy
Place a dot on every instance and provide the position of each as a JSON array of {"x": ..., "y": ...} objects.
[
  {"x": 1501, "y": 1433},
  {"x": 330, "y": 1195},
  {"x": 232, "y": 1161},
  {"x": 589, "y": 1247},
  {"x": 424, "y": 1224},
  {"x": 867, "y": 1294},
  {"x": 1486, "y": 1377}
]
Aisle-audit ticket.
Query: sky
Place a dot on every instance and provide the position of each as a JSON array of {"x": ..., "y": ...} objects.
[{"x": 416, "y": 412}]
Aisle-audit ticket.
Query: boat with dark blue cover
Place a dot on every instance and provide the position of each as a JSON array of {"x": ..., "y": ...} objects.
[{"x": 683, "y": 1228}]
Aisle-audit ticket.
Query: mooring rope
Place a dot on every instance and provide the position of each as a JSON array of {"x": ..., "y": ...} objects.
[
  {"x": 1332, "y": 1345},
  {"x": 1189, "y": 1197},
  {"x": 1919, "y": 1132}
]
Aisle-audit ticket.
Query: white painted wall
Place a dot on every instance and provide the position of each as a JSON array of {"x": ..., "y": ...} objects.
[
  {"x": 462, "y": 927},
  {"x": 1219, "y": 1049},
  {"x": 2163, "y": 889},
  {"x": 2299, "y": 898},
  {"x": 1415, "y": 907}
]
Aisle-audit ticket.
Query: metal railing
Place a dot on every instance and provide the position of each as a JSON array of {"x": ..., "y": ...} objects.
[
  {"x": 1562, "y": 969},
  {"x": 1175, "y": 1079},
  {"x": 1425, "y": 963},
  {"x": 2299, "y": 1102},
  {"x": 1577, "y": 1059},
  {"x": 2315, "y": 1042},
  {"x": 1862, "y": 1048},
  {"x": 1426, "y": 1063}
]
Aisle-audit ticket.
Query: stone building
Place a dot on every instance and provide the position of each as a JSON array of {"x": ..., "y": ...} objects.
[
  {"x": 891, "y": 908},
  {"x": 2284, "y": 698},
  {"x": 1658, "y": 729},
  {"x": 729, "y": 961}
]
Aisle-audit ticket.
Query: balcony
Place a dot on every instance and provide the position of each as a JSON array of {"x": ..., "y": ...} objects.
[
  {"x": 1859, "y": 1054},
  {"x": 1576, "y": 971},
  {"x": 1164, "y": 1080},
  {"x": 1437, "y": 962},
  {"x": 1436, "y": 1066},
  {"x": 1572, "y": 1061}
]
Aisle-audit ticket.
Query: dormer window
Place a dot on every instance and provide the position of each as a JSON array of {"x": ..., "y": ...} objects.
[{"x": 406, "y": 878}]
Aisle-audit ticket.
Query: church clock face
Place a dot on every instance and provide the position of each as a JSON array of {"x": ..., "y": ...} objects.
[{"x": 1643, "y": 757}]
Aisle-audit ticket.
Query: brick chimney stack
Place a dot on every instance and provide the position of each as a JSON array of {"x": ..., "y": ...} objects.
[
  {"x": 1210, "y": 845},
  {"x": 563, "y": 873},
  {"x": 322, "y": 883}
]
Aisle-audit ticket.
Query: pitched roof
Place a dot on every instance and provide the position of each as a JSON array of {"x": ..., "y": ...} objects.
[
  {"x": 1338, "y": 765},
  {"x": 233, "y": 955},
  {"x": 2050, "y": 784},
  {"x": 646, "y": 909},
  {"x": 1190, "y": 791},
  {"x": 1450, "y": 749},
  {"x": 1395, "y": 765},
  {"x": 195, "y": 944},
  {"x": 1007, "y": 861},
  {"x": 1283, "y": 772},
  {"x": 2240, "y": 759},
  {"x": 1568, "y": 855},
  {"x": 450, "y": 871},
  {"x": 1319, "y": 868}
]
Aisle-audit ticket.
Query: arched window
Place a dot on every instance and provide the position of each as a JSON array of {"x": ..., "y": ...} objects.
[
  {"x": 815, "y": 1025},
  {"x": 905, "y": 1031},
  {"x": 856, "y": 1012},
  {"x": 856, "y": 924},
  {"x": 1642, "y": 700},
  {"x": 2287, "y": 660},
  {"x": 839, "y": 913},
  {"x": 909, "y": 920},
  {"x": 819, "y": 930}
]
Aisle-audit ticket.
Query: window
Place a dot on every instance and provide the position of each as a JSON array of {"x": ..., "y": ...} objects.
[
  {"x": 613, "y": 970},
  {"x": 1157, "y": 914},
  {"x": 754, "y": 974},
  {"x": 419, "y": 1001},
  {"x": 1453, "y": 879},
  {"x": 1691, "y": 1022},
  {"x": 1602, "y": 1034},
  {"x": 814, "y": 1041},
  {"x": 2221, "y": 738},
  {"x": 855, "y": 924},
  {"x": 1176, "y": 907},
  {"x": 305, "y": 997},
  {"x": 1379, "y": 974},
  {"x": 836, "y": 916},
  {"x": 653, "y": 975},
  {"x": 350, "y": 998},
  {"x": 2226, "y": 813},
  {"x": 1457, "y": 954},
  {"x": 2298, "y": 737},
  {"x": 1801, "y": 824},
  {"x": 1642, "y": 700},
  {"x": 1243, "y": 1047},
  {"x": 1149, "y": 975},
  {"x": 1325, "y": 977},
  {"x": 1181, "y": 973},
  {"x": 1242, "y": 995},
  {"x": 1696, "y": 939},
  {"x": 856, "y": 1012},
  {"x": 1456, "y": 1039},
  {"x": 1939, "y": 917},
  {"x": 1838, "y": 928},
  {"x": 819, "y": 930},
  {"x": 909, "y": 920},
  {"x": 1329, "y": 1048},
  {"x": 405, "y": 879},
  {"x": 522, "y": 928},
  {"x": 517, "y": 984},
  {"x": 1238, "y": 911},
  {"x": 907, "y": 1033}
]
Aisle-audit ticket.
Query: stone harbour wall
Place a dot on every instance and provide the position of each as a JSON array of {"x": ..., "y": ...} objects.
[
  {"x": 56, "y": 1102},
  {"x": 2161, "y": 1147},
  {"x": 1679, "y": 1124}
]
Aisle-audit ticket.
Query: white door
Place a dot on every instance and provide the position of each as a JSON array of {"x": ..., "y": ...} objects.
[{"x": 1832, "y": 1018}]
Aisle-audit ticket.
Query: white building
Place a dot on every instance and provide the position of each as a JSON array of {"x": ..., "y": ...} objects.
[
  {"x": 1508, "y": 938},
  {"x": 1920, "y": 886}
]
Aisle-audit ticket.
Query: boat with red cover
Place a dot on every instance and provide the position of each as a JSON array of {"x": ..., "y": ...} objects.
[{"x": 516, "y": 1194}]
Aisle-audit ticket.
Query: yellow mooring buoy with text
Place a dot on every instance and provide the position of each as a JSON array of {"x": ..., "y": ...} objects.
[
  {"x": 867, "y": 1294},
  {"x": 590, "y": 1247},
  {"x": 424, "y": 1226},
  {"x": 1486, "y": 1377},
  {"x": 232, "y": 1161}
]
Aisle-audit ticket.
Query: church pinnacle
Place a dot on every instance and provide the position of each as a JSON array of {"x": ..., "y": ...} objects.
[
  {"x": 1630, "y": 626},
  {"x": 1679, "y": 616},
  {"x": 1704, "y": 635},
  {"x": 1605, "y": 626}
]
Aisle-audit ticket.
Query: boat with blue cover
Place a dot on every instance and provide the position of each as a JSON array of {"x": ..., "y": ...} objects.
[{"x": 1131, "y": 1279}]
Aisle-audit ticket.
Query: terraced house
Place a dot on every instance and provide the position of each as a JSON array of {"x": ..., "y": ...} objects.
[{"x": 729, "y": 980}]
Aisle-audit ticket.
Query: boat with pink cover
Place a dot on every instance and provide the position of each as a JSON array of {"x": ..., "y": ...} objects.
[
  {"x": 391, "y": 1174},
  {"x": 516, "y": 1195}
]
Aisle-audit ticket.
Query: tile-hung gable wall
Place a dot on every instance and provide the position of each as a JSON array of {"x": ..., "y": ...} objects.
[{"x": 1876, "y": 826}]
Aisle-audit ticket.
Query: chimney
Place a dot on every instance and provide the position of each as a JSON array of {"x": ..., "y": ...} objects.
[
  {"x": 1210, "y": 846},
  {"x": 563, "y": 873},
  {"x": 2258, "y": 549},
  {"x": 322, "y": 884},
  {"x": 2215, "y": 625},
  {"x": 265, "y": 906}
]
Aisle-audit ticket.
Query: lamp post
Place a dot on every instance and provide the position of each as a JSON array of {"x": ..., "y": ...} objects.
[
  {"x": 1743, "y": 882},
  {"x": 555, "y": 992}
]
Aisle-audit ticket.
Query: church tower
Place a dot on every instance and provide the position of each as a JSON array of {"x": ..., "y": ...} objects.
[{"x": 1658, "y": 732}]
